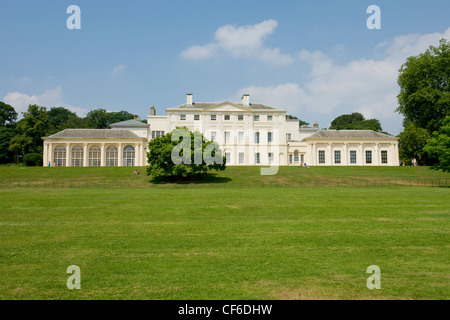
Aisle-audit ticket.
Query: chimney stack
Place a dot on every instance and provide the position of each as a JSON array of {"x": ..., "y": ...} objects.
[
  {"x": 316, "y": 125},
  {"x": 189, "y": 99},
  {"x": 153, "y": 111},
  {"x": 246, "y": 100}
]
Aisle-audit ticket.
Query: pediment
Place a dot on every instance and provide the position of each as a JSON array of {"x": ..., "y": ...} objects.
[{"x": 227, "y": 107}]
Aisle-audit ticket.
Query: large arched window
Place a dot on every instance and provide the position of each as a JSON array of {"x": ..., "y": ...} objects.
[
  {"x": 59, "y": 156},
  {"x": 95, "y": 156},
  {"x": 128, "y": 156},
  {"x": 112, "y": 156},
  {"x": 77, "y": 156}
]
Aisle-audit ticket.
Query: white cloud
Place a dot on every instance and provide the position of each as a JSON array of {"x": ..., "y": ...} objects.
[
  {"x": 366, "y": 86},
  {"x": 49, "y": 98},
  {"x": 243, "y": 41},
  {"x": 118, "y": 69}
]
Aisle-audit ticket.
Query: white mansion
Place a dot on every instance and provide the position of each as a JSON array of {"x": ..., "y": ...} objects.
[{"x": 247, "y": 133}]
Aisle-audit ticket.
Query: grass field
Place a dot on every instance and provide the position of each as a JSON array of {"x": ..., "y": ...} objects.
[{"x": 240, "y": 236}]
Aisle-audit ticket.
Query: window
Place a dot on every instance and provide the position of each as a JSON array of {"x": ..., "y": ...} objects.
[
  {"x": 196, "y": 117},
  {"x": 112, "y": 156},
  {"x": 226, "y": 117},
  {"x": 269, "y": 118},
  {"x": 59, "y": 156},
  {"x": 270, "y": 155},
  {"x": 322, "y": 156},
  {"x": 288, "y": 137},
  {"x": 269, "y": 137},
  {"x": 128, "y": 156},
  {"x": 368, "y": 156},
  {"x": 353, "y": 157},
  {"x": 95, "y": 156},
  {"x": 213, "y": 135},
  {"x": 296, "y": 157},
  {"x": 384, "y": 157},
  {"x": 77, "y": 156},
  {"x": 255, "y": 118},
  {"x": 290, "y": 158},
  {"x": 241, "y": 137},
  {"x": 257, "y": 159},
  {"x": 302, "y": 158},
  {"x": 182, "y": 117},
  {"x": 213, "y": 117},
  {"x": 156, "y": 134},
  {"x": 227, "y": 137},
  {"x": 337, "y": 157},
  {"x": 228, "y": 157},
  {"x": 240, "y": 117},
  {"x": 241, "y": 158},
  {"x": 256, "y": 137}
]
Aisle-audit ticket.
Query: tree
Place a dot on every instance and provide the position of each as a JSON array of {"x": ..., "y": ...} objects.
[
  {"x": 411, "y": 143},
  {"x": 60, "y": 118},
  {"x": 167, "y": 158},
  {"x": 355, "y": 121},
  {"x": 30, "y": 131},
  {"x": 424, "y": 82},
  {"x": 100, "y": 119},
  {"x": 439, "y": 146},
  {"x": 7, "y": 115},
  {"x": 6, "y": 134},
  {"x": 300, "y": 122}
]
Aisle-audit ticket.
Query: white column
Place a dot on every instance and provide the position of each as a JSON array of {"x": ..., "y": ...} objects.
[
  {"x": 330, "y": 155},
  {"x": 137, "y": 155},
  {"x": 44, "y": 160},
  {"x": 377, "y": 161},
  {"x": 68, "y": 155},
  {"x": 120, "y": 155},
  {"x": 85, "y": 155},
  {"x": 346, "y": 155},
  {"x": 103, "y": 156},
  {"x": 144, "y": 154},
  {"x": 361, "y": 155}
]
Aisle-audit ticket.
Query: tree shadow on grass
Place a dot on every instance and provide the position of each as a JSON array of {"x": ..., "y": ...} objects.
[{"x": 197, "y": 179}]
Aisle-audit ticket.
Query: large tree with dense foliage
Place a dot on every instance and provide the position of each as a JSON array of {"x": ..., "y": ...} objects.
[
  {"x": 412, "y": 142},
  {"x": 8, "y": 115},
  {"x": 424, "y": 82},
  {"x": 183, "y": 154},
  {"x": 439, "y": 146},
  {"x": 60, "y": 118},
  {"x": 30, "y": 131},
  {"x": 355, "y": 121},
  {"x": 101, "y": 119}
]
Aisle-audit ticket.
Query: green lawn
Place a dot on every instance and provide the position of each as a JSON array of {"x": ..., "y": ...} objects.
[{"x": 221, "y": 241}]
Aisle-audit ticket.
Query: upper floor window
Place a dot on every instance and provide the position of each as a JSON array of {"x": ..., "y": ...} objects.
[
  {"x": 240, "y": 117},
  {"x": 226, "y": 117},
  {"x": 196, "y": 117},
  {"x": 156, "y": 134},
  {"x": 182, "y": 117},
  {"x": 269, "y": 137},
  {"x": 256, "y": 118},
  {"x": 269, "y": 118},
  {"x": 288, "y": 136},
  {"x": 213, "y": 135},
  {"x": 213, "y": 117},
  {"x": 256, "y": 137}
]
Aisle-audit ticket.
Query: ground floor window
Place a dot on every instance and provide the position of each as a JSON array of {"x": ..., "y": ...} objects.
[
  {"x": 241, "y": 158},
  {"x": 322, "y": 156},
  {"x": 228, "y": 157},
  {"x": 296, "y": 157},
  {"x": 59, "y": 156},
  {"x": 384, "y": 157},
  {"x": 128, "y": 156},
  {"x": 337, "y": 157},
  {"x": 368, "y": 156},
  {"x": 290, "y": 158},
  {"x": 353, "y": 157},
  {"x": 95, "y": 156},
  {"x": 112, "y": 156},
  {"x": 270, "y": 157},
  {"x": 77, "y": 156},
  {"x": 257, "y": 158}
]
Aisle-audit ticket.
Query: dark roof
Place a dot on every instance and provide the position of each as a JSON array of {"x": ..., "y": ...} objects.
[
  {"x": 129, "y": 123},
  {"x": 94, "y": 134},
  {"x": 350, "y": 134}
]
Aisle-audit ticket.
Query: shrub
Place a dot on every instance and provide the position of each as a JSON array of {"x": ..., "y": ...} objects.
[{"x": 32, "y": 159}]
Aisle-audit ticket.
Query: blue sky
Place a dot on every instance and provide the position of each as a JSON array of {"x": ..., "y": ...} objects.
[{"x": 316, "y": 59}]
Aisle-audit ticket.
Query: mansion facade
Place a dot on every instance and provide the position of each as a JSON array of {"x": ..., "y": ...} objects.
[{"x": 248, "y": 134}]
